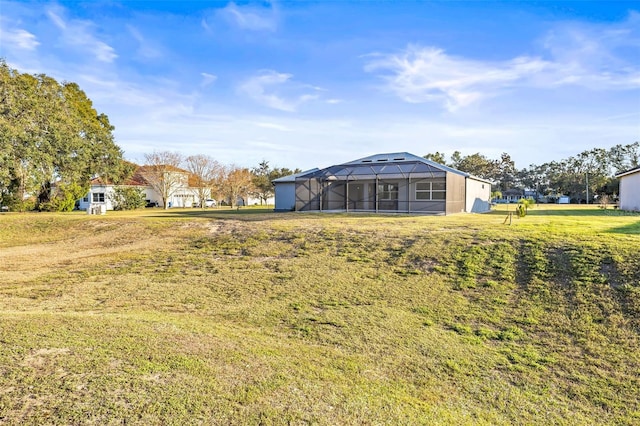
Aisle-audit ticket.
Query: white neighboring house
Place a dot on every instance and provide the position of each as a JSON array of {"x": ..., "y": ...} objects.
[
  {"x": 101, "y": 192},
  {"x": 630, "y": 189}
]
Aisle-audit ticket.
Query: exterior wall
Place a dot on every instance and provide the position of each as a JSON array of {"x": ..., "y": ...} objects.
[
  {"x": 455, "y": 193},
  {"x": 108, "y": 191},
  {"x": 183, "y": 197},
  {"x": 417, "y": 205},
  {"x": 87, "y": 201},
  {"x": 630, "y": 192},
  {"x": 285, "y": 196},
  {"x": 152, "y": 196},
  {"x": 478, "y": 196}
]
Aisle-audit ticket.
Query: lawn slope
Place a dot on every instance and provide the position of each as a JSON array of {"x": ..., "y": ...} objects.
[{"x": 187, "y": 317}]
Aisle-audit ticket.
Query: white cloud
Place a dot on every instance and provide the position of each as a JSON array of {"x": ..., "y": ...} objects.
[
  {"x": 145, "y": 48},
  {"x": 277, "y": 90},
  {"x": 78, "y": 34},
  {"x": 19, "y": 39},
  {"x": 208, "y": 79},
  {"x": 274, "y": 126},
  {"x": 251, "y": 17},
  {"x": 596, "y": 57},
  {"x": 425, "y": 74}
]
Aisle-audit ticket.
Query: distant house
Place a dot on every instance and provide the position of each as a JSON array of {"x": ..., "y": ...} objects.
[
  {"x": 510, "y": 196},
  {"x": 185, "y": 194},
  {"x": 391, "y": 183},
  {"x": 630, "y": 189}
]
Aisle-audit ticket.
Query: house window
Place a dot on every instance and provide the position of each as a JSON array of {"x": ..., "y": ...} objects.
[
  {"x": 98, "y": 197},
  {"x": 85, "y": 199},
  {"x": 431, "y": 190},
  {"x": 388, "y": 191}
]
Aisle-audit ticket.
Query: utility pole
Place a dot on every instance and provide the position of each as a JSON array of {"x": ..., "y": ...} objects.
[{"x": 587, "y": 175}]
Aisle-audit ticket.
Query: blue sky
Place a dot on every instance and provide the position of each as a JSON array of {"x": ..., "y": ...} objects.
[{"x": 313, "y": 83}]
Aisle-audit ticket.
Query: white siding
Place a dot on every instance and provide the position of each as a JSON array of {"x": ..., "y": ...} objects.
[
  {"x": 478, "y": 196},
  {"x": 107, "y": 190},
  {"x": 630, "y": 192}
]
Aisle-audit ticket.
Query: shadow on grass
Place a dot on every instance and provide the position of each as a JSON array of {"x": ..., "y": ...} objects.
[
  {"x": 591, "y": 212},
  {"x": 631, "y": 229},
  {"x": 225, "y": 213}
]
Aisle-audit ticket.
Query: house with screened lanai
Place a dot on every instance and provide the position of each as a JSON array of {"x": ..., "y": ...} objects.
[{"x": 384, "y": 183}]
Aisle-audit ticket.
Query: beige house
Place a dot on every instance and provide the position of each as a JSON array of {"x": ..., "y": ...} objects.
[
  {"x": 385, "y": 183},
  {"x": 630, "y": 189}
]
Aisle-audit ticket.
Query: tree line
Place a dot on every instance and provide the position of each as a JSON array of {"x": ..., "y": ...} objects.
[
  {"x": 211, "y": 179},
  {"x": 584, "y": 177},
  {"x": 53, "y": 142}
]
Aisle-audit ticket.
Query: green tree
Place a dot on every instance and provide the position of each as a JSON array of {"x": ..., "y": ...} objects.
[
  {"x": 277, "y": 173},
  {"x": 506, "y": 174},
  {"x": 263, "y": 176},
  {"x": 437, "y": 157},
  {"x": 263, "y": 189},
  {"x": 456, "y": 159},
  {"x": 625, "y": 157},
  {"x": 52, "y": 140},
  {"x": 478, "y": 165}
]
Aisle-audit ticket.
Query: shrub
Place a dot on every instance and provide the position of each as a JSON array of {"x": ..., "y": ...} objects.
[{"x": 127, "y": 198}]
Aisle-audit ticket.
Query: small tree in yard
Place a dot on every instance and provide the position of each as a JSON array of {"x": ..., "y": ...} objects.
[
  {"x": 162, "y": 173},
  {"x": 604, "y": 201},
  {"x": 261, "y": 182},
  {"x": 204, "y": 171},
  {"x": 263, "y": 176},
  {"x": 523, "y": 206},
  {"x": 235, "y": 182}
]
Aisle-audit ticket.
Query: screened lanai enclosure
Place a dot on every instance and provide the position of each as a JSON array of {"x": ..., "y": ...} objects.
[{"x": 397, "y": 182}]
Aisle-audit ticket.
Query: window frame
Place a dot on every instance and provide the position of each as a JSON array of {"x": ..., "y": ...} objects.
[
  {"x": 424, "y": 190},
  {"x": 387, "y": 190}
]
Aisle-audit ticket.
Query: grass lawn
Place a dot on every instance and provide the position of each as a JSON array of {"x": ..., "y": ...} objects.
[{"x": 252, "y": 317}]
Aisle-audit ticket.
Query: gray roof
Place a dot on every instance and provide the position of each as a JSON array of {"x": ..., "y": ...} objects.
[
  {"x": 292, "y": 178},
  {"x": 390, "y": 165},
  {"x": 404, "y": 157}
]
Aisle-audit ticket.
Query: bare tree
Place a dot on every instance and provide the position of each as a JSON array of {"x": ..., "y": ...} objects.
[
  {"x": 204, "y": 170},
  {"x": 162, "y": 172},
  {"x": 235, "y": 182}
]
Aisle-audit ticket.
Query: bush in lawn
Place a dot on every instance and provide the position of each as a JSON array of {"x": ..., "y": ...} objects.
[{"x": 127, "y": 198}]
